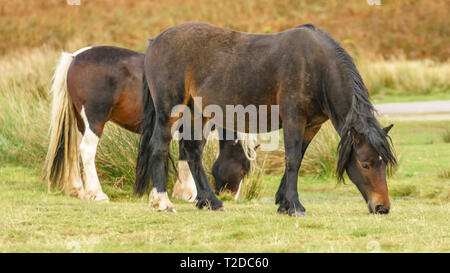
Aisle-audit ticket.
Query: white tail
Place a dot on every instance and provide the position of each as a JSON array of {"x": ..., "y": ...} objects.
[{"x": 62, "y": 155}]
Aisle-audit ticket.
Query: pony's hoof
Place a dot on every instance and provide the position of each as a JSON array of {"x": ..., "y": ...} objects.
[
  {"x": 211, "y": 204},
  {"x": 191, "y": 198},
  {"x": 297, "y": 213},
  {"x": 169, "y": 210},
  {"x": 282, "y": 211},
  {"x": 165, "y": 209},
  {"x": 222, "y": 208},
  {"x": 77, "y": 193},
  {"x": 99, "y": 197},
  {"x": 201, "y": 203}
]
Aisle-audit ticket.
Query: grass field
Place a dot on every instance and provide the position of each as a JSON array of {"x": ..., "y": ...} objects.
[{"x": 337, "y": 219}]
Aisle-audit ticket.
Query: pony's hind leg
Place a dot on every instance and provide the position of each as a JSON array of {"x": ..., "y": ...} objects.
[
  {"x": 88, "y": 149},
  {"x": 184, "y": 187},
  {"x": 75, "y": 183},
  {"x": 159, "y": 144}
]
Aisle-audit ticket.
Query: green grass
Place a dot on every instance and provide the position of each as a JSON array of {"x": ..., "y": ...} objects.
[{"x": 337, "y": 219}]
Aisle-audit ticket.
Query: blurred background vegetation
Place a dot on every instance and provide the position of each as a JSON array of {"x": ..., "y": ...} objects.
[{"x": 414, "y": 29}]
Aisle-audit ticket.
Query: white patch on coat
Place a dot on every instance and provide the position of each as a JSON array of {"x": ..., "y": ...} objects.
[
  {"x": 81, "y": 50},
  {"x": 88, "y": 149},
  {"x": 161, "y": 201},
  {"x": 185, "y": 187},
  {"x": 236, "y": 196}
]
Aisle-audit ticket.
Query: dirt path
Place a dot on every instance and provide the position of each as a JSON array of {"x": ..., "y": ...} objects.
[{"x": 430, "y": 110}]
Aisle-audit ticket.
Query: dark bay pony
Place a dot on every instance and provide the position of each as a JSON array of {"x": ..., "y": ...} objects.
[
  {"x": 302, "y": 70},
  {"x": 102, "y": 83}
]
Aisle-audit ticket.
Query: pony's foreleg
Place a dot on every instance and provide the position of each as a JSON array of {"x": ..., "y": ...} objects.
[
  {"x": 308, "y": 135},
  {"x": 288, "y": 194},
  {"x": 88, "y": 149},
  {"x": 193, "y": 149}
]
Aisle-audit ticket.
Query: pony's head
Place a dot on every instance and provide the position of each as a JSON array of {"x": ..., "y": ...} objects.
[
  {"x": 366, "y": 158},
  {"x": 365, "y": 150},
  {"x": 231, "y": 166}
]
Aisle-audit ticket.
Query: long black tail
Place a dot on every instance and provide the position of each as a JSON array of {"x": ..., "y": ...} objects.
[{"x": 143, "y": 174}]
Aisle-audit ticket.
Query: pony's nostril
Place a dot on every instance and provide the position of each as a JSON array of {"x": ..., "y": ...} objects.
[{"x": 381, "y": 209}]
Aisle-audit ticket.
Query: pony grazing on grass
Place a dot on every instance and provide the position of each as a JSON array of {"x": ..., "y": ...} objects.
[
  {"x": 102, "y": 83},
  {"x": 303, "y": 71}
]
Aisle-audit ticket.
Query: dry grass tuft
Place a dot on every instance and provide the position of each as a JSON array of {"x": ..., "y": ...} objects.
[
  {"x": 402, "y": 77},
  {"x": 253, "y": 183},
  {"x": 446, "y": 136},
  {"x": 319, "y": 160},
  {"x": 321, "y": 156}
]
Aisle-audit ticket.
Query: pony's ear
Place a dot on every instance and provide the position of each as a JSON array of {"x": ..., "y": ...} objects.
[
  {"x": 355, "y": 136},
  {"x": 388, "y": 128}
]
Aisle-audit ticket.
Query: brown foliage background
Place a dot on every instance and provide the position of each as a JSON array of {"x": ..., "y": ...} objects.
[{"x": 414, "y": 29}]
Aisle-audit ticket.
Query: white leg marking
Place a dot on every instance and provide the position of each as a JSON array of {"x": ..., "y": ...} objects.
[
  {"x": 184, "y": 188},
  {"x": 88, "y": 149},
  {"x": 236, "y": 196},
  {"x": 161, "y": 201}
]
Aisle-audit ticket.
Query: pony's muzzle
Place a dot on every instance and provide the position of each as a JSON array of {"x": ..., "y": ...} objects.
[
  {"x": 378, "y": 208},
  {"x": 378, "y": 203},
  {"x": 382, "y": 209}
]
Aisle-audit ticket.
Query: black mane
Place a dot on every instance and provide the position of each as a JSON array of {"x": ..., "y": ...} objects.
[{"x": 361, "y": 116}]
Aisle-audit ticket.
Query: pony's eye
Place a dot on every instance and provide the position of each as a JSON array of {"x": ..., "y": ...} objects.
[{"x": 365, "y": 166}]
